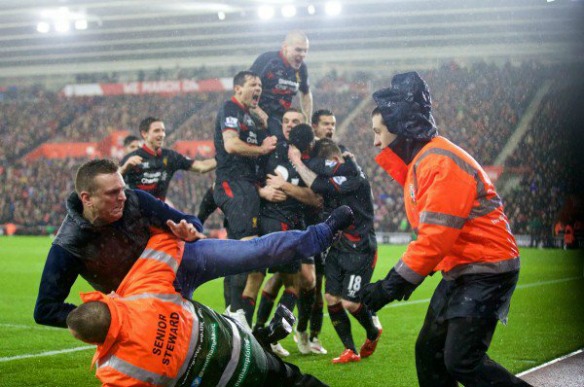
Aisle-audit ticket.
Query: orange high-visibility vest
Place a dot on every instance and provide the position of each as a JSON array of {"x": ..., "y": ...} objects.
[
  {"x": 159, "y": 338},
  {"x": 145, "y": 348},
  {"x": 456, "y": 212}
]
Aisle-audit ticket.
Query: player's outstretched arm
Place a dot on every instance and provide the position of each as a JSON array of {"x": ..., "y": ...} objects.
[
  {"x": 159, "y": 212},
  {"x": 204, "y": 166},
  {"x": 303, "y": 194},
  {"x": 305, "y": 173}
]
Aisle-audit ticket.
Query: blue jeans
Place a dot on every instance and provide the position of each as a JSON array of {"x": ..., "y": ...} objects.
[{"x": 207, "y": 259}]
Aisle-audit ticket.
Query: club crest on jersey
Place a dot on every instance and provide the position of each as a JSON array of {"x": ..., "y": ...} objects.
[
  {"x": 412, "y": 193},
  {"x": 165, "y": 161},
  {"x": 330, "y": 163},
  {"x": 249, "y": 121}
]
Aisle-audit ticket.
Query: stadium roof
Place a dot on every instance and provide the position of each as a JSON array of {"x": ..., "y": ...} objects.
[{"x": 128, "y": 35}]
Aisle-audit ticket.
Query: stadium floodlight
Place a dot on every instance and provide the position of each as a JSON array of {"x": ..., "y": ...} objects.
[
  {"x": 266, "y": 12},
  {"x": 62, "y": 25},
  {"x": 62, "y": 19},
  {"x": 43, "y": 27},
  {"x": 311, "y": 9},
  {"x": 81, "y": 24},
  {"x": 288, "y": 11},
  {"x": 221, "y": 15},
  {"x": 333, "y": 8}
]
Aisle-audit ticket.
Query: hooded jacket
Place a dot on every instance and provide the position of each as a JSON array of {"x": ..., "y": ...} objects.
[{"x": 456, "y": 212}]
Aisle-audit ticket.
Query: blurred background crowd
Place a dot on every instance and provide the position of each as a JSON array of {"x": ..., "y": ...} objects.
[{"x": 479, "y": 107}]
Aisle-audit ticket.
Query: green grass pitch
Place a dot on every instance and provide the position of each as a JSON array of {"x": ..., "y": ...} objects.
[{"x": 546, "y": 321}]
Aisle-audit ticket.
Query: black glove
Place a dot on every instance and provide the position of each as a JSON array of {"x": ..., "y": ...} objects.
[
  {"x": 392, "y": 287},
  {"x": 277, "y": 329}
]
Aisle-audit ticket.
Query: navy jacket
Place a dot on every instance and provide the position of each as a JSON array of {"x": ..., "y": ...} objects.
[{"x": 101, "y": 255}]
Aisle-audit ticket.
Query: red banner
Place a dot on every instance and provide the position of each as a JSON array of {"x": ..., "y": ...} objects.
[
  {"x": 63, "y": 150},
  {"x": 156, "y": 87},
  {"x": 111, "y": 146}
]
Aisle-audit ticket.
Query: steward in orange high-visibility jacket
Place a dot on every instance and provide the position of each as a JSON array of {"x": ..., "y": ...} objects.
[
  {"x": 461, "y": 230},
  {"x": 149, "y": 335}
]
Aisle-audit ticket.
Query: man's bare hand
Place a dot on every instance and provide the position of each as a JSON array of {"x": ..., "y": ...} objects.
[
  {"x": 294, "y": 154},
  {"x": 276, "y": 181},
  {"x": 347, "y": 154},
  {"x": 130, "y": 163},
  {"x": 269, "y": 144},
  {"x": 320, "y": 201},
  {"x": 272, "y": 194},
  {"x": 185, "y": 231}
]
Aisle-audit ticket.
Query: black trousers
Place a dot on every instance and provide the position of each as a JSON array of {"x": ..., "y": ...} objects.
[
  {"x": 281, "y": 373},
  {"x": 454, "y": 350}
]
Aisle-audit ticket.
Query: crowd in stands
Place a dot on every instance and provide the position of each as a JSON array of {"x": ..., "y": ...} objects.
[
  {"x": 546, "y": 160},
  {"x": 99, "y": 116},
  {"x": 33, "y": 193},
  {"x": 477, "y": 107},
  {"x": 29, "y": 120},
  {"x": 201, "y": 123}
]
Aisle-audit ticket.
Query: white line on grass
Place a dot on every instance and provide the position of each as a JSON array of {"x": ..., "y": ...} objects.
[
  {"x": 548, "y": 282},
  {"x": 48, "y": 353},
  {"x": 394, "y": 305},
  {"x": 24, "y": 326},
  {"x": 549, "y": 363}
]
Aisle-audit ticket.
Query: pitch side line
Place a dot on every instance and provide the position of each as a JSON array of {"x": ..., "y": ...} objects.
[
  {"x": 547, "y": 282},
  {"x": 48, "y": 353},
  {"x": 24, "y": 326},
  {"x": 549, "y": 363},
  {"x": 52, "y": 353}
]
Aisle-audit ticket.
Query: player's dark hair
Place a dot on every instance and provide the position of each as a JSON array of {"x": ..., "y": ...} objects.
[
  {"x": 376, "y": 112},
  {"x": 144, "y": 126},
  {"x": 130, "y": 139},
  {"x": 85, "y": 176},
  {"x": 325, "y": 148},
  {"x": 302, "y": 137},
  {"x": 91, "y": 321},
  {"x": 319, "y": 113},
  {"x": 240, "y": 78}
]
